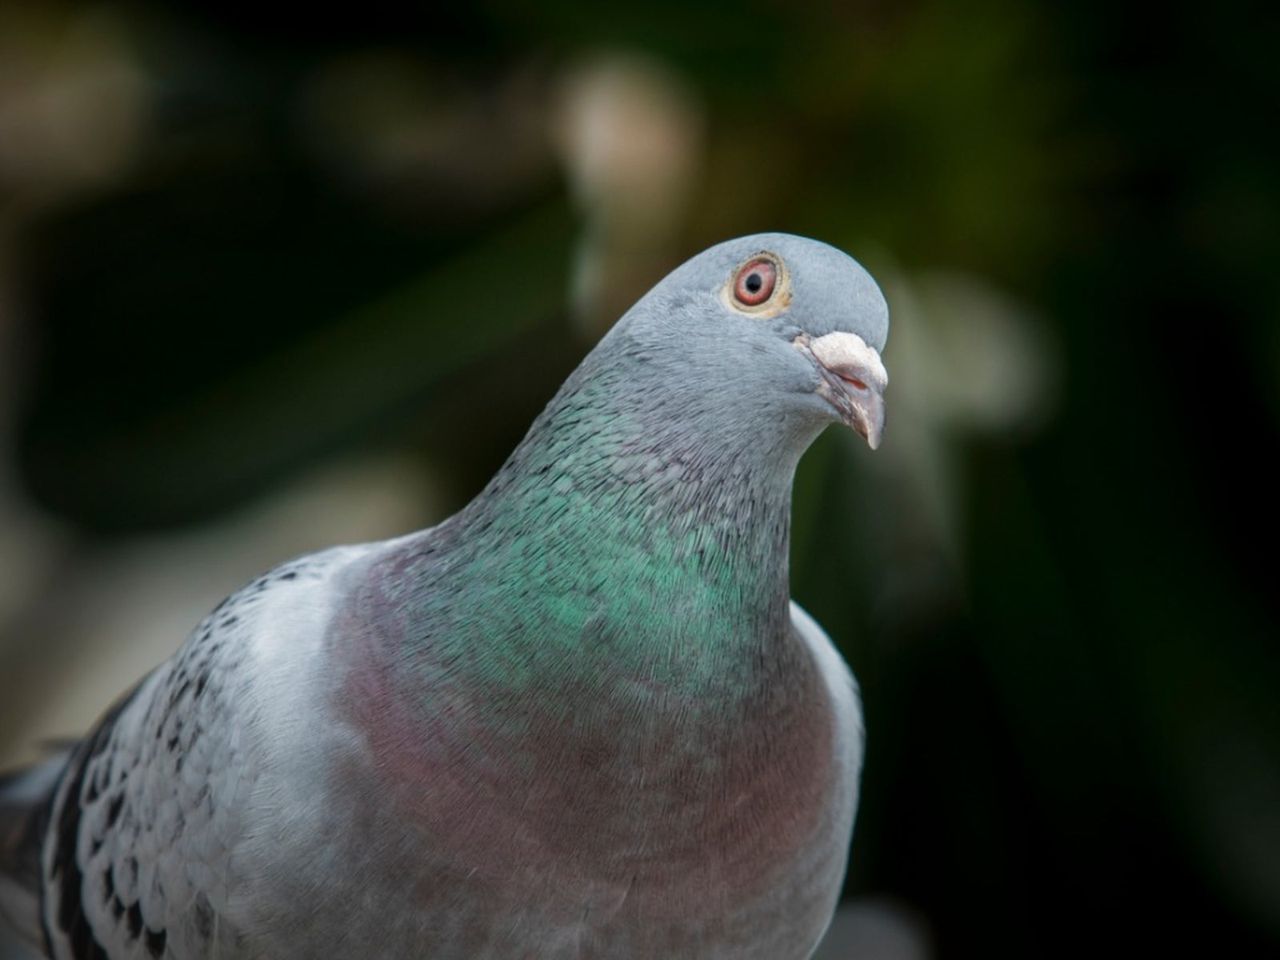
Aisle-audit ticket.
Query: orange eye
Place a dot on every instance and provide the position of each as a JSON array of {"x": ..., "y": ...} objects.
[{"x": 755, "y": 281}]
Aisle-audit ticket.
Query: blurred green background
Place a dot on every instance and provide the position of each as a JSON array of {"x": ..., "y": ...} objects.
[{"x": 270, "y": 284}]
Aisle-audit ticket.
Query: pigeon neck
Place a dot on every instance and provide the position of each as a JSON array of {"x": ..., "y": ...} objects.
[
  {"x": 621, "y": 491},
  {"x": 631, "y": 531},
  {"x": 599, "y": 643}
]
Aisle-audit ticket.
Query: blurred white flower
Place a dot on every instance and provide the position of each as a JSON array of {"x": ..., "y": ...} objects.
[
  {"x": 967, "y": 355},
  {"x": 74, "y": 99},
  {"x": 630, "y": 134}
]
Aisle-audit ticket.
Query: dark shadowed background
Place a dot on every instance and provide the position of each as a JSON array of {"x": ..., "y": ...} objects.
[{"x": 269, "y": 285}]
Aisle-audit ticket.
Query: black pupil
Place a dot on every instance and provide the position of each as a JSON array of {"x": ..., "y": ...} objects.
[{"x": 753, "y": 283}]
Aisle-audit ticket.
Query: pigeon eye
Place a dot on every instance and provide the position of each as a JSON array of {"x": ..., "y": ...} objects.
[{"x": 755, "y": 282}]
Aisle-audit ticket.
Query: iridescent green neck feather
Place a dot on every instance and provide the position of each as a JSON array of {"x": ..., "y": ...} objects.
[{"x": 639, "y": 534}]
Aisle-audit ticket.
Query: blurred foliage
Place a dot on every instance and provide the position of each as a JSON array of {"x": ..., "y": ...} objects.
[{"x": 239, "y": 248}]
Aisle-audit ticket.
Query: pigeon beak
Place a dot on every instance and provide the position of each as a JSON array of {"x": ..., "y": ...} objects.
[{"x": 853, "y": 380}]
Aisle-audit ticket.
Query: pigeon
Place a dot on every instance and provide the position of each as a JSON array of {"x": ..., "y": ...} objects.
[{"x": 580, "y": 718}]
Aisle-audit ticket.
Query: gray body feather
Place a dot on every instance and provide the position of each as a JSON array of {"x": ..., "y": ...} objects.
[{"x": 200, "y": 820}]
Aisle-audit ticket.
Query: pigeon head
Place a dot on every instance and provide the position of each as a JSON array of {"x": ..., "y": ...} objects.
[{"x": 768, "y": 329}]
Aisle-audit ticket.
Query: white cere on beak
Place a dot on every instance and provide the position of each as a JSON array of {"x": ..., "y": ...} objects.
[
  {"x": 854, "y": 380},
  {"x": 849, "y": 352}
]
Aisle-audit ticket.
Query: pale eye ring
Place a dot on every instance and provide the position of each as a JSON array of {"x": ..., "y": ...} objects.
[{"x": 755, "y": 281}]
